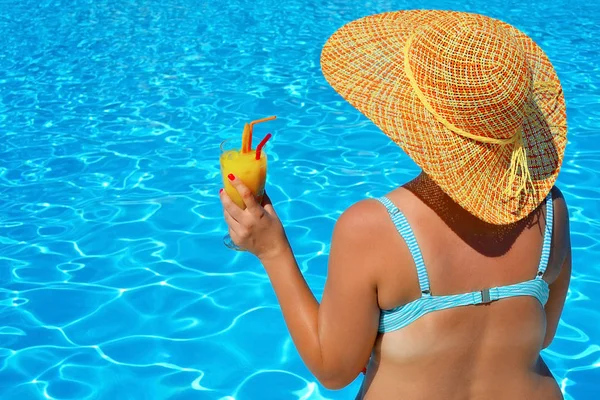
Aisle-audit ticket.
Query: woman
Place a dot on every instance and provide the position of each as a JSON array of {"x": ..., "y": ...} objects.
[{"x": 449, "y": 286}]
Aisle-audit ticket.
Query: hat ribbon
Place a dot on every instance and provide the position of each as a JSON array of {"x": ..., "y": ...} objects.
[{"x": 518, "y": 169}]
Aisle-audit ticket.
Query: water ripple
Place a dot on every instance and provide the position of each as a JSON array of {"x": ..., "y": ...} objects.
[{"x": 114, "y": 283}]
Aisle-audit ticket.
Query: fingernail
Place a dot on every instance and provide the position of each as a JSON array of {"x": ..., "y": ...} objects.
[
  {"x": 231, "y": 177},
  {"x": 220, "y": 191}
]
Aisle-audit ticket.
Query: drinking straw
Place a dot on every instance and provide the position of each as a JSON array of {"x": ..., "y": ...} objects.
[
  {"x": 258, "y": 121},
  {"x": 245, "y": 137},
  {"x": 261, "y": 145}
]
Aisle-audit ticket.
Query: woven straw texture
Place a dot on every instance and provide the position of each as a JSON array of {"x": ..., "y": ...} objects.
[{"x": 472, "y": 100}]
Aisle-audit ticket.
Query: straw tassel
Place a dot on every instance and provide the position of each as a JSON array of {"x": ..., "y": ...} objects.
[{"x": 519, "y": 170}]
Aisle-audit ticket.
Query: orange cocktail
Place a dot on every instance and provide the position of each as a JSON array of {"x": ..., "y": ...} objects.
[
  {"x": 245, "y": 167},
  {"x": 247, "y": 164}
]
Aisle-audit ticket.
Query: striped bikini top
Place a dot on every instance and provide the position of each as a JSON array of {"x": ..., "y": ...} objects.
[{"x": 399, "y": 317}]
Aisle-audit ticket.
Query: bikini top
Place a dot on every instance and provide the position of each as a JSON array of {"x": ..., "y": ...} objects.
[{"x": 399, "y": 317}]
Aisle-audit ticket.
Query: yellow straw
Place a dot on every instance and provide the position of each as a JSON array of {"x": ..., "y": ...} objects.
[
  {"x": 245, "y": 137},
  {"x": 258, "y": 121}
]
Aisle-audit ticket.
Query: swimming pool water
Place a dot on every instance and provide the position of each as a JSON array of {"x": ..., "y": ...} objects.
[{"x": 114, "y": 283}]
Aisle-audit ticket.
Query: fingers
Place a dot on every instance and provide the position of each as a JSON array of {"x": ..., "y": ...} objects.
[
  {"x": 268, "y": 205},
  {"x": 232, "y": 209},
  {"x": 235, "y": 228},
  {"x": 238, "y": 221},
  {"x": 230, "y": 221},
  {"x": 237, "y": 231},
  {"x": 245, "y": 193}
]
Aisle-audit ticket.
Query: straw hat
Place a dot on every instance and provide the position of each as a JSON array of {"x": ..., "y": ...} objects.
[{"x": 472, "y": 100}]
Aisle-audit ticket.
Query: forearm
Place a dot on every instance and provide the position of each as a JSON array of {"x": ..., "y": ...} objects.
[{"x": 299, "y": 306}]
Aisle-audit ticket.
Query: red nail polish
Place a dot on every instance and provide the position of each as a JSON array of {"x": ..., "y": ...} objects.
[
  {"x": 231, "y": 177},
  {"x": 220, "y": 191}
]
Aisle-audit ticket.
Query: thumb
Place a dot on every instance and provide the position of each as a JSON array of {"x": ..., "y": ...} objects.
[
  {"x": 268, "y": 205},
  {"x": 266, "y": 200}
]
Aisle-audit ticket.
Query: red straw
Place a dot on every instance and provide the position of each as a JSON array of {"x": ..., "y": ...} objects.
[{"x": 261, "y": 145}]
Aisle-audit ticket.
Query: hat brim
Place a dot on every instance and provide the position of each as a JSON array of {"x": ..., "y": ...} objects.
[{"x": 363, "y": 61}]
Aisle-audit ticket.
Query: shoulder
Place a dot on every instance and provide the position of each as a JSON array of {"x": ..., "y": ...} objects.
[
  {"x": 363, "y": 219},
  {"x": 557, "y": 195},
  {"x": 558, "y": 199},
  {"x": 561, "y": 211},
  {"x": 362, "y": 231},
  {"x": 561, "y": 235},
  {"x": 359, "y": 241}
]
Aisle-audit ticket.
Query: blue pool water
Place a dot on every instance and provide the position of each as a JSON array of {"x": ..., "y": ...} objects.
[{"x": 114, "y": 283}]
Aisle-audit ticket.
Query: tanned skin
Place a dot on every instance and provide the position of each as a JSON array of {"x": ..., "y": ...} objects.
[{"x": 489, "y": 352}]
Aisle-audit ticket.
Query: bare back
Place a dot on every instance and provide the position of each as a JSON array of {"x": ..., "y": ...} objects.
[{"x": 489, "y": 351}]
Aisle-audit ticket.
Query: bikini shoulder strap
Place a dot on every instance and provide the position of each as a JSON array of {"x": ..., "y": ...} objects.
[
  {"x": 547, "y": 237},
  {"x": 408, "y": 235}
]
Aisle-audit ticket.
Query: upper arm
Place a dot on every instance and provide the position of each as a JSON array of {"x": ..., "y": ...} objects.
[
  {"x": 562, "y": 255},
  {"x": 349, "y": 311}
]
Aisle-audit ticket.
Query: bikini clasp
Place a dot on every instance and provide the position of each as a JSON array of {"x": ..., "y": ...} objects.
[{"x": 485, "y": 296}]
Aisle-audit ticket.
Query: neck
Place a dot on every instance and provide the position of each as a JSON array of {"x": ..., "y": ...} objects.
[{"x": 490, "y": 239}]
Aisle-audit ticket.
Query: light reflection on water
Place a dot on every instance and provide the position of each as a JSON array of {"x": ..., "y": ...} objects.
[{"x": 114, "y": 280}]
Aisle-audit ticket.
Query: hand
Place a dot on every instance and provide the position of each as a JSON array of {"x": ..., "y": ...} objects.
[{"x": 256, "y": 229}]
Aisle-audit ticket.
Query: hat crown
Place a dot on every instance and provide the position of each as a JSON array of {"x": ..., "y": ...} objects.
[{"x": 473, "y": 73}]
